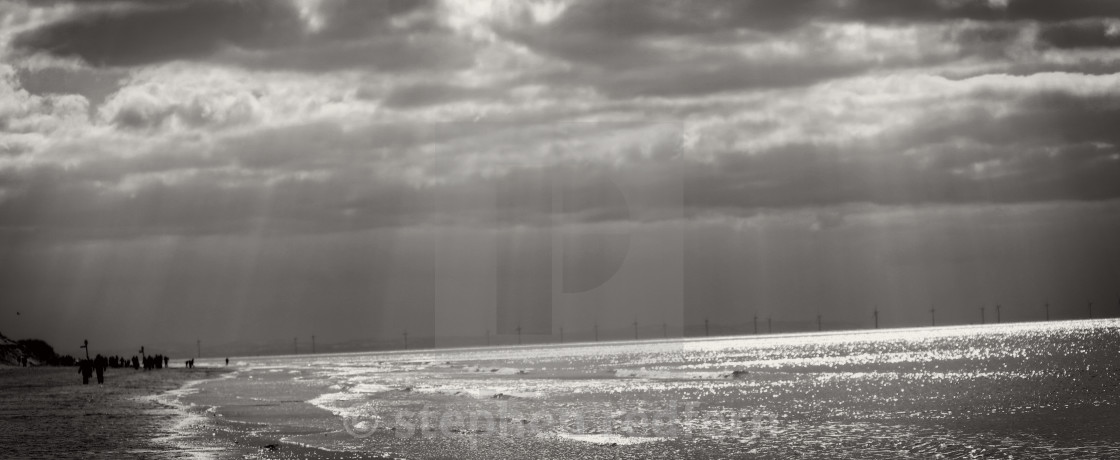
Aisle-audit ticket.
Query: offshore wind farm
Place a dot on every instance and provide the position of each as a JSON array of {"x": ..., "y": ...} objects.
[{"x": 636, "y": 331}]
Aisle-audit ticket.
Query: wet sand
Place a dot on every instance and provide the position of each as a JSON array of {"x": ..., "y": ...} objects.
[{"x": 46, "y": 412}]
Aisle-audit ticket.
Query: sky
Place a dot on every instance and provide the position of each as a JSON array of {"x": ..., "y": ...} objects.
[{"x": 256, "y": 171}]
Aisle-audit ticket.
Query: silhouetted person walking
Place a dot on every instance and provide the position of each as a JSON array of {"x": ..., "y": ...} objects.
[
  {"x": 227, "y": 361},
  {"x": 85, "y": 367},
  {"x": 99, "y": 365},
  {"x": 166, "y": 362}
]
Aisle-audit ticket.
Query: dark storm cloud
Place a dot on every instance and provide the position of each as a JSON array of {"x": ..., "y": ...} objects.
[
  {"x": 719, "y": 77},
  {"x": 1051, "y": 147},
  {"x": 385, "y": 54},
  {"x": 1039, "y": 119},
  {"x": 801, "y": 176},
  {"x": 327, "y": 146},
  {"x": 1085, "y": 66},
  {"x": 1046, "y": 147},
  {"x": 636, "y": 18},
  {"x": 355, "y": 19},
  {"x": 625, "y": 68},
  {"x": 214, "y": 201},
  {"x": 93, "y": 84},
  {"x": 320, "y": 177},
  {"x": 178, "y": 30},
  {"x": 423, "y": 95},
  {"x": 985, "y": 40},
  {"x": 629, "y": 49},
  {"x": 1081, "y": 34},
  {"x": 245, "y": 182},
  {"x": 314, "y": 178},
  {"x": 270, "y": 34}
]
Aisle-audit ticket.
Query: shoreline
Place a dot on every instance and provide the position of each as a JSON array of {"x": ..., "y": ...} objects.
[
  {"x": 1038, "y": 392},
  {"x": 219, "y": 427},
  {"x": 1035, "y": 394},
  {"x": 46, "y": 412},
  {"x": 190, "y": 421}
]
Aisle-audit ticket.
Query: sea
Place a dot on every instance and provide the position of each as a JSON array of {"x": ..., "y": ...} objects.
[{"x": 1022, "y": 390}]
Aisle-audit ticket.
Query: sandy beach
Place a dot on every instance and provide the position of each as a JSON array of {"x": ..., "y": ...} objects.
[{"x": 46, "y": 412}]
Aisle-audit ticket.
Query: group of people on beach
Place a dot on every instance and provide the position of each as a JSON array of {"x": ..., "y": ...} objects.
[
  {"x": 120, "y": 361},
  {"x": 88, "y": 367},
  {"x": 156, "y": 362}
]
